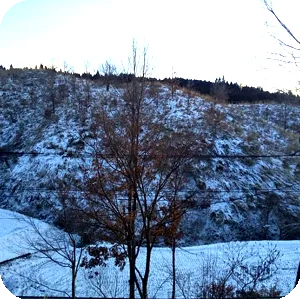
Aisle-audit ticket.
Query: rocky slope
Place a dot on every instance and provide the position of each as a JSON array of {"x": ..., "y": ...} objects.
[{"x": 245, "y": 187}]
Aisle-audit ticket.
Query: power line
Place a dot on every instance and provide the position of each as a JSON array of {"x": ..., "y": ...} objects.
[
  {"x": 65, "y": 154},
  {"x": 257, "y": 191}
]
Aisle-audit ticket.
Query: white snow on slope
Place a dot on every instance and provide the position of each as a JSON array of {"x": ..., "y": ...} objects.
[
  {"x": 15, "y": 229},
  {"x": 35, "y": 276}
]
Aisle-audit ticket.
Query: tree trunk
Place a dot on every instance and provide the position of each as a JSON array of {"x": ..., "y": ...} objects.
[
  {"x": 131, "y": 273},
  {"x": 131, "y": 242},
  {"x": 53, "y": 102},
  {"x": 173, "y": 268},
  {"x": 73, "y": 281},
  {"x": 147, "y": 272},
  {"x": 74, "y": 270}
]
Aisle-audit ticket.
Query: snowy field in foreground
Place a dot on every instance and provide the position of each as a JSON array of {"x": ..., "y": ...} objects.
[{"x": 31, "y": 276}]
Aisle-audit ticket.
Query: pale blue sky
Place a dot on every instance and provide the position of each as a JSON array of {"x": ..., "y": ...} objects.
[{"x": 199, "y": 39}]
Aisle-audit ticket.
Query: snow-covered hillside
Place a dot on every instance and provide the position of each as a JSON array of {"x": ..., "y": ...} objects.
[
  {"x": 246, "y": 186},
  {"x": 38, "y": 276}
]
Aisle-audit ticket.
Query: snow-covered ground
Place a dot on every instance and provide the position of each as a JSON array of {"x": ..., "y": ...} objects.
[
  {"x": 249, "y": 198},
  {"x": 244, "y": 199},
  {"x": 36, "y": 276}
]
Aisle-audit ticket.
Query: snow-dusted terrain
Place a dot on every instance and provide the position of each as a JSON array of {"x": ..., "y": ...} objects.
[
  {"x": 36, "y": 276},
  {"x": 245, "y": 184},
  {"x": 237, "y": 198}
]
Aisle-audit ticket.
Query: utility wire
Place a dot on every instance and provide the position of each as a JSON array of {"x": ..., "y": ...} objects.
[
  {"x": 207, "y": 191},
  {"x": 6, "y": 154}
]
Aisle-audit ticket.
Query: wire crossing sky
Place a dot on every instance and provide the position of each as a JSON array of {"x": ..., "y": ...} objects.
[
  {"x": 197, "y": 39},
  {"x": 4, "y": 155}
]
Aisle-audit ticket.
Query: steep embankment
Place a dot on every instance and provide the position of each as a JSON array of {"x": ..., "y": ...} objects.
[{"x": 246, "y": 186}]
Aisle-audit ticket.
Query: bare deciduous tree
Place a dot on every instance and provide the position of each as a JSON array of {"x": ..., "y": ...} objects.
[
  {"x": 239, "y": 272},
  {"x": 51, "y": 90},
  {"x": 215, "y": 117},
  {"x": 249, "y": 272},
  {"x": 136, "y": 157},
  {"x": 219, "y": 91},
  {"x": 106, "y": 282},
  {"x": 172, "y": 232},
  {"x": 291, "y": 43},
  {"x": 109, "y": 70},
  {"x": 55, "y": 245}
]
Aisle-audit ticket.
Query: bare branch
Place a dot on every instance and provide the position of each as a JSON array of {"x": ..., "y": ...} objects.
[
  {"x": 35, "y": 281},
  {"x": 270, "y": 9}
]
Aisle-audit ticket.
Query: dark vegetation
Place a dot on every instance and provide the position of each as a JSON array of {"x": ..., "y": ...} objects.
[{"x": 237, "y": 94}]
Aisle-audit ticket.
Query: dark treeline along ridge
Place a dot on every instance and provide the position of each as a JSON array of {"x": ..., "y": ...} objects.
[{"x": 236, "y": 94}]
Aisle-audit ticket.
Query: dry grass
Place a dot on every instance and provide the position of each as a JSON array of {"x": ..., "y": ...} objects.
[
  {"x": 207, "y": 97},
  {"x": 191, "y": 93}
]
